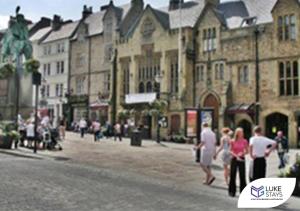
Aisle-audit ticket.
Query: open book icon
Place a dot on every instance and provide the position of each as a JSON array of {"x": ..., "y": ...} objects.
[{"x": 257, "y": 192}]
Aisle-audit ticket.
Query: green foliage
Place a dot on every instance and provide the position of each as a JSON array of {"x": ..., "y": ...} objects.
[
  {"x": 158, "y": 107},
  {"x": 6, "y": 70},
  {"x": 124, "y": 114},
  {"x": 8, "y": 129},
  {"x": 32, "y": 66}
]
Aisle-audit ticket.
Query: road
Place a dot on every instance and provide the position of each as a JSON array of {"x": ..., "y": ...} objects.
[{"x": 56, "y": 183}]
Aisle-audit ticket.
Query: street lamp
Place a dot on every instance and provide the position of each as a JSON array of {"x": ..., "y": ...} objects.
[{"x": 158, "y": 79}]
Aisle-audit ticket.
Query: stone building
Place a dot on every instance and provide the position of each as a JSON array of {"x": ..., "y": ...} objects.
[
  {"x": 52, "y": 50},
  {"x": 91, "y": 56},
  {"x": 238, "y": 58}
]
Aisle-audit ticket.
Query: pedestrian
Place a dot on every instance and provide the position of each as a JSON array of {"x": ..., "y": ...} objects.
[
  {"x": 22, "y": 130},
  {"x": 226, "y": 155},
  {"x": 82, "y": 126},
  {"x": 208, "y": 150},
  {"x": 282, "y": 148},
  {"x": 30, "y": 134},
  {"x": 260, "y": 149},
  {"x": 62, "y": 128},
  {"x": 239, "y": 147},
  {"x": 96, "y": 126},
  {"x": 117, "y": 131}
]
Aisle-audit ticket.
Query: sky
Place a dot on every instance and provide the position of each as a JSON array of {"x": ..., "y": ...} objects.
[{"x": 67, "y": 9}]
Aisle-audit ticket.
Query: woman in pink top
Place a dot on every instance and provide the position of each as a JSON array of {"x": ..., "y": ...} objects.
[{"x": 238, "y": 150}]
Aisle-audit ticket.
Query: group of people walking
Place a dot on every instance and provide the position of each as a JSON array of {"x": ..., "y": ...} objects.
[
  {"x": 234, "y": 148},
  {"x": 99, "y": 131}
]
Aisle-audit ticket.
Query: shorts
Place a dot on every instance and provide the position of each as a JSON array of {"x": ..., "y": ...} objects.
[{"x": 206, "y": 157}]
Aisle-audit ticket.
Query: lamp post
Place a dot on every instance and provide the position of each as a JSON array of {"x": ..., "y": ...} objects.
[
  {"x": 36, "y": 81},
  {"x": 158, "y": 79}
]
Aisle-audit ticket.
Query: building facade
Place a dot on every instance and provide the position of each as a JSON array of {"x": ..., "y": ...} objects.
[
  {"x": 92, "y": 49},
  {"x": 52, "y": 50},
  {"x": 238, "y": 58}
]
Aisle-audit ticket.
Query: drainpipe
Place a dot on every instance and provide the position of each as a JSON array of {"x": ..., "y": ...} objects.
[
  {"x": 89, "y": 79},
  {"x": 257, "y": 77},
  {"x": 114, "y": 89}
]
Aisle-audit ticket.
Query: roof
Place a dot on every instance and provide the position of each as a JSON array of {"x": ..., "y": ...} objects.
[
  {"x": 95, "y": 20},
  {"x": 235, "y": 12},
  {"x": 40, "y": 34},
  {"x": 187, "y": 16},
  {"x": 64, "y": 32}
]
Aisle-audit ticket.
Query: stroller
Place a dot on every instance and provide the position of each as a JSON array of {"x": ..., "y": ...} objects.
[{"x": 51, "y": 139}]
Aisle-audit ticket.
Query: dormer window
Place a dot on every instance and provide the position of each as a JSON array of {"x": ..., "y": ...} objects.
[
  {"x": 287, "y": 27},
  {"x": 209, "y": 39},
  {"x": 250, "y": 21}
]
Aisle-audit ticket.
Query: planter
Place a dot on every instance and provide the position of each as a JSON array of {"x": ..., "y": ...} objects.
[{"x": 5, "y": 142}]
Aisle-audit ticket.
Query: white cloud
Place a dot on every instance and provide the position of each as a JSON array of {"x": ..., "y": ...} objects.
[{"x": 4, "y": 21}]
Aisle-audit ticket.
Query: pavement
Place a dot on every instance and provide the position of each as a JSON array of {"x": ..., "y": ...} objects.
[{"x": 110, "y": 175}]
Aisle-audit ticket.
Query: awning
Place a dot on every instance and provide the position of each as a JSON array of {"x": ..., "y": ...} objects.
[
  {"x": 241, "y": 109},
  {"x": 140, "y": 98},
  {"x": 99, "y": 104}
]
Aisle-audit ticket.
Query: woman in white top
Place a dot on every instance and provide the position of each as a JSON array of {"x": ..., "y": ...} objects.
[{"x": 226, "y": 156}]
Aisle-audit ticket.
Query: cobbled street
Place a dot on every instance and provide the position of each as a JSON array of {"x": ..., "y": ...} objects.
[{"x": 111, "y": 176}]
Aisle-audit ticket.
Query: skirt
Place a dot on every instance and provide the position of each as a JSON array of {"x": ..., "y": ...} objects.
[{"x": 226, "y": 158}]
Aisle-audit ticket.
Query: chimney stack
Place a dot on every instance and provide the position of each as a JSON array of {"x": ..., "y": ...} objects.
[
  {"x": 175, "y": 4},
  {"x": 86, "y": 11},
  {"x": 56, "y": 22}
]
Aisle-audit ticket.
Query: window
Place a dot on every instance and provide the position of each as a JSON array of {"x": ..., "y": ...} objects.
[
  {"x": 108, "y": 53},
  {"x": 219, "y": 71},
  {"x": 209, "y": 39},
  {"x": 141, "y": 87},
  {"x": 287, "y": 29},
  {"x": 216, "y": 71},
  {"x": 126, "y": 79},
  {"x": 57, "y": 67},
  {"x": 62, "y": 67},
  {"x": 243, "y": 74},
  {"x": 45, "y": 70},
  {"x": 293, "y": 27},
  {"x": 174, "y": 76},
  {"x": 57, "y": 87},
  {"x": 80, "y": 85},
  {"x": 49, "y": 69},
  {"x": 58, "y": 48},
  {"x": 49, "y": 50},
  {"x": 48, "y": 90},
  {"x": 200, "y": 73},
  {"x": 288, "y": 78},
  {"x": 149, "y": 87},
  {"x": 61, "y": 93},
  {"x": 280, "y": 28}
]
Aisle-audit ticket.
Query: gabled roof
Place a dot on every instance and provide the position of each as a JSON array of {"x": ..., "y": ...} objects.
[
  {"x": 235, "y": 12},
  {"x": 40, "y": 34},
  {"x": 95, "y": 21},
  {"x": 65, "y": 32},
  {"x": 187, "y": 16}
]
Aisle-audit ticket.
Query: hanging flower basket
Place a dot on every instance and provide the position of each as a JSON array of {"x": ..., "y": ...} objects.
[
  {"x": 6, "y": 70},
  {"x": 32, "y": 66}
]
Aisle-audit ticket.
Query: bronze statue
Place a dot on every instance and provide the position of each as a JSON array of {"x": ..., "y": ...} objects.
[{"x": 16, "y": 40}]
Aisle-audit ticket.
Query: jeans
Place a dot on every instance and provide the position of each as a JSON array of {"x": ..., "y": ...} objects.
[
  {"x": 97, "y": 135},
  {"x": 259, "y": 168},
  {"x": 82, "y": 130},
  {"x": 281, "y": 159}
]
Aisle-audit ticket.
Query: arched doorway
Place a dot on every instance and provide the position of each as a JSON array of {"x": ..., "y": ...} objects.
[
  {"x": 247, "y": 127},
  {"x": 212, "y": 102},
  {"x": 276, "y": 122}
]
